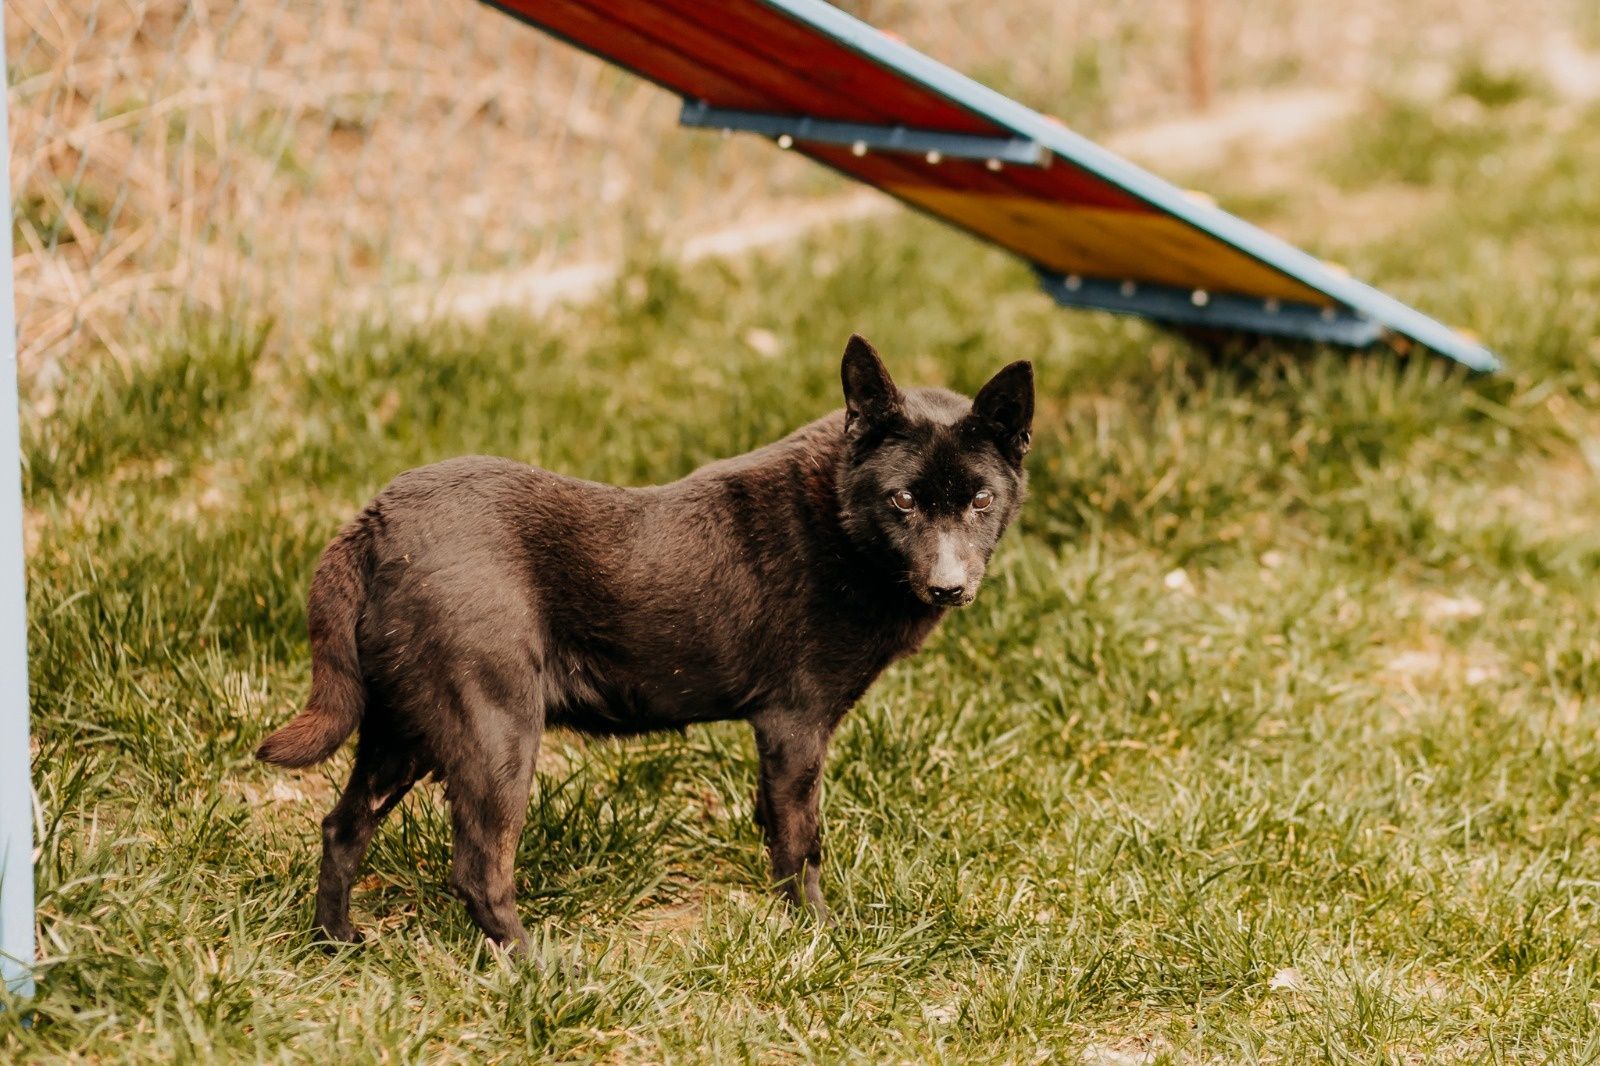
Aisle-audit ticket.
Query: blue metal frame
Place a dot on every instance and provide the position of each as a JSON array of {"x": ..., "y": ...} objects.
[
  {"x": 1018, "y": 150},
  {"x": 16, "y": 790},
  {"x": 1197, "y": 307},
  {"x": 1030, "y": 125}
]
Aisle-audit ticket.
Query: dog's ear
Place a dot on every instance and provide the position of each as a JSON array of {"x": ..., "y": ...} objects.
[
  {"x": 1003, "y": 409},
  {"x": 870, "y": 395}
]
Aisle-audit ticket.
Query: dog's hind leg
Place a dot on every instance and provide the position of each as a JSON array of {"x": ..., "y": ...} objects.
[
  {"x": 792, "y": 753},
  {"x": 488, "y": 791},
  {"x": 382, "y": 775}
]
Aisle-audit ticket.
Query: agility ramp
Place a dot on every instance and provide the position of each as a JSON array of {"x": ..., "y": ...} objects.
[{"x": 1099, "y": 231}]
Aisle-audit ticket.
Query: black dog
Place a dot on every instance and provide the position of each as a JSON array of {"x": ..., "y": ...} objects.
[{"x": 475, "y": 602}]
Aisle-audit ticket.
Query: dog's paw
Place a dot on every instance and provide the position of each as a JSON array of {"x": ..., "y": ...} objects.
[
  {"x": 568, "y": 967},
  {"x": 546, "y": 955},
  {"x": 819, "y": 912},
  {"x": 334, "y": 938}
]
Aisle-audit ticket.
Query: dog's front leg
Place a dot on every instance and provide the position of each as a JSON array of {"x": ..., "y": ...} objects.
[{"x": 793, "y": 748}]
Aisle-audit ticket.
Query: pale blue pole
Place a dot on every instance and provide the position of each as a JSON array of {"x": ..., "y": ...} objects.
[{"x": 16, "y": 789}]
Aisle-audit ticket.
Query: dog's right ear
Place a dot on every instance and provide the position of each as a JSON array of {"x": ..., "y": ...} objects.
[{"x": 870, "y": 396}]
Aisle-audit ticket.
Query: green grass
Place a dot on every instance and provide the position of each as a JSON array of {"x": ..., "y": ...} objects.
[{"x": 1272, "y": 736}]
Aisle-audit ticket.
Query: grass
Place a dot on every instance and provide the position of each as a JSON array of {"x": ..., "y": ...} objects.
[{"x": 1271, "y": 737}]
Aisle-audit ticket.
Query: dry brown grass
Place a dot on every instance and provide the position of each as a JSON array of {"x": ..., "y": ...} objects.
[{"x": 272, "y": 158}]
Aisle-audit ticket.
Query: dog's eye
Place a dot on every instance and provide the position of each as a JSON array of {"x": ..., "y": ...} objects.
[
  {"x": 903, "y": 500},
  {"x": 982, "y": 500}
]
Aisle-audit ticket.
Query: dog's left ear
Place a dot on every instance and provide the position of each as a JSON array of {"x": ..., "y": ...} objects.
[{"x": 1004, "y": 409}]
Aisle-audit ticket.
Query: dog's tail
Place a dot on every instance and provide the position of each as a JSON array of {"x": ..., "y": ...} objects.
[{"x": 338, "y": 695}]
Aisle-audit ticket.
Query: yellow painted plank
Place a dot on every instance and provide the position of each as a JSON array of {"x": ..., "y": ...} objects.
[{"x": 1104, "y": 243}]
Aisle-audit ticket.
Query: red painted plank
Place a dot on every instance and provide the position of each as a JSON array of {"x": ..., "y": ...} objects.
[
  {"x": 577, "y": 22},
  {"x": 836, "y": 70},
  {"x": 761, "y": 31},
  {"x": 733, "y": 59},
  {"x": 785, "y": 91},
  {"x": 700, "y": 38},
  {"x": 697, "y": 61},
  {"x": 657, "y": 40},
  {"x": 796, "y": 93}
]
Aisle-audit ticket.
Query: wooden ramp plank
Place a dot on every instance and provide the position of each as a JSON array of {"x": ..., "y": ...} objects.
[{"x": 1089, "y": 221}]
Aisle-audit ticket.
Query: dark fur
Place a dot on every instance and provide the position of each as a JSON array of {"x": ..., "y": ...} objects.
[{"x": 477, "y": 601}]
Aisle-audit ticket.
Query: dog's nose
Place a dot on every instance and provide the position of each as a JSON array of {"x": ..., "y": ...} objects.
[{"x": 945, "y": 593}]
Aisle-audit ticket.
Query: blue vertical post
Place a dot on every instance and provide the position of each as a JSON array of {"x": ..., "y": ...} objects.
[{"x": 16, "y": 790}]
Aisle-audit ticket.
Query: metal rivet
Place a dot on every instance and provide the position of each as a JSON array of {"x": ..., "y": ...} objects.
[
  {"x": 993, "y": 164},
  {"x": 785, "y": 141},
  {"x": 1199, "y": 297},
  {"x": 1270, "y": 306},
  {"x": 1327, "y": 314},
  {"x": 858, "y": 149},
  {"x": 1128, "y": 288},
  {"x": 934, "y": 158},
  {"x": 1074, "y": 283}
]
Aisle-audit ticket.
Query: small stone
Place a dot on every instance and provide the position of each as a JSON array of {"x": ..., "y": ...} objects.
[
  {"x": 1414, "y": 663},
  {"x": 1105, "y": 1055},
  {"x": 1287, "y": 979},
  {"x": 763, "y": 342},
  {"x": 1450, "y": 608}
]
